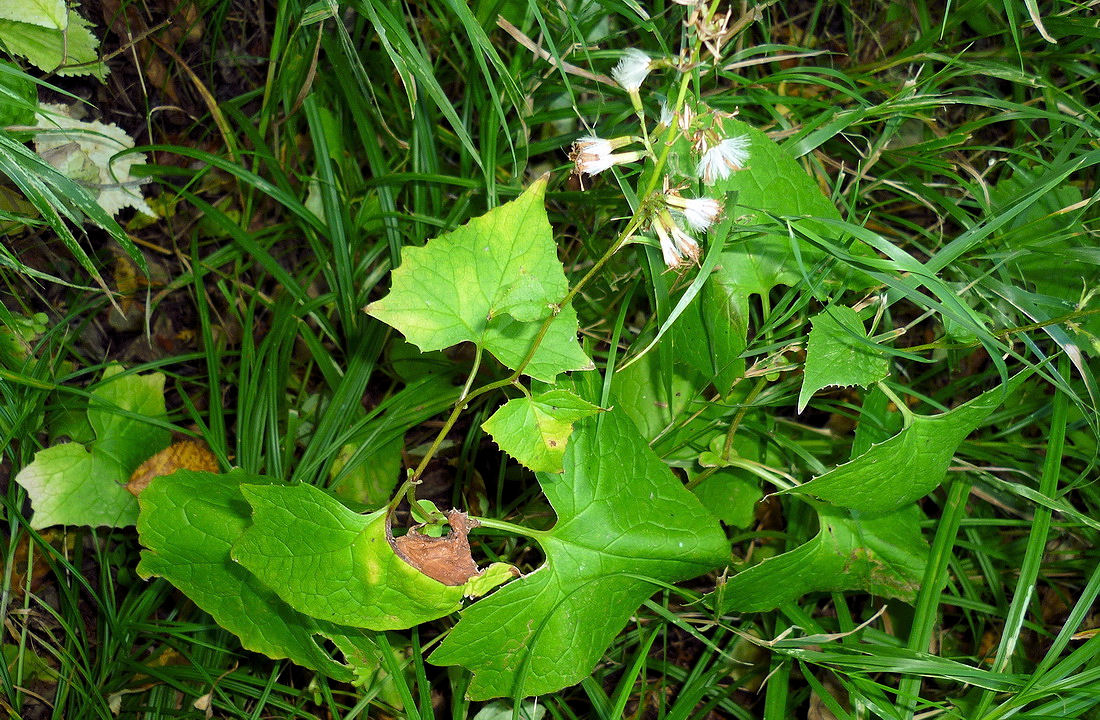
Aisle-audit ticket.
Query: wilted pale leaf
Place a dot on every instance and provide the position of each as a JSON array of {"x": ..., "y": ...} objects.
[{"x": 85, "y": 152}]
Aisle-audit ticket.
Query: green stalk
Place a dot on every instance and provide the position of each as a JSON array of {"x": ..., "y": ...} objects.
[{"x": 935, "y": 579}]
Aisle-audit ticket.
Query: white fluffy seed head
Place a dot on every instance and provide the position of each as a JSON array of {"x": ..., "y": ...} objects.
[
  {"x": 719, "y": 161},
  {"x": 591, "y": 155},
  {"x": 701, "y": 213},
  {"x": 632, "y": 69},
  {"x": 677, "y": 246}
]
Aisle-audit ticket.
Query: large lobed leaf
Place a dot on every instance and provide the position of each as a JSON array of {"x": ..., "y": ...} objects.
[
  {"x": 492, "y": 282},
  {"x": 74, "y": 484},
  {"x": 624, "y": 523}
]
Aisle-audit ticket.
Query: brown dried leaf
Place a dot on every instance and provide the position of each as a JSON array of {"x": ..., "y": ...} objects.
[
  {"x": 446, "y": 559},
  {"x": 185, "y": 455}
]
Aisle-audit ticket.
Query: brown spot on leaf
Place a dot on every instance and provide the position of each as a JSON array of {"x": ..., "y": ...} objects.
[
  {"x": 446, "y": 559},
  {"x": 185, "y": 455}
]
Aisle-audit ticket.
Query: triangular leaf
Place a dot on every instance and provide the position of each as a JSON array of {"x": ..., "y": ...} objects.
[
  {"x": 622, "y": 518},
  {"x": 909, "y": 465},
  {"x": 492, "y": 282},
  {"x": 838, "y": 353},
  {"x": 883, "y": 556}
]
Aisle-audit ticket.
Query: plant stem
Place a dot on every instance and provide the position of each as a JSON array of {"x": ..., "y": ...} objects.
[{"x": 510, "y": 527}]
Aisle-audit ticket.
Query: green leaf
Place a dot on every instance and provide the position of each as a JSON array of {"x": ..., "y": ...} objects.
[
  {"x": 369, "y": 483},
  {"x": 624, "y": 523},
  {"x": 18, "y": 96},
  {"x": 333, "y": 564},
  {"x": 188, "y": 523},
  {"x": 839, "y": 354},
  {"x": 713, "y": 332},
  {"x": 653, "y": 398},
  {"x": 491, "y": 282},
  {"x": 74, "y": 484},
  {"x": 909, "y": 465},
  {"x": 68, "y": 51},
  {"x": 534, "y": 430},
  {"x": 883, "y": 556},
  {"x": 44, "y": 13},
  {"x": 731, "y": 492},
  {"x": 731, "y": 496}
]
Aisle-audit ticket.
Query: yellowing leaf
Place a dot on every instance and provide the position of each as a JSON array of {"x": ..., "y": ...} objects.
[
  {"x": 534, "y": 430},
  {"x": 185, "y": 455}
]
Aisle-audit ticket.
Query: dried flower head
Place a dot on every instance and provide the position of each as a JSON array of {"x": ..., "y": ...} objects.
[
  {"x": 720, "y": 160},
  {"x": 666, "y": 115},
  {"x": 632, "y": 70},
  {"x": 592, "y": 155},
  {"x": 677, "y": 247}
]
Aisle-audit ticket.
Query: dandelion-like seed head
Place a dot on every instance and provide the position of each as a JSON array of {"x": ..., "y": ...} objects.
[
  {"x": 632, "y": 69},
  {"x": 720, "y": 160}
]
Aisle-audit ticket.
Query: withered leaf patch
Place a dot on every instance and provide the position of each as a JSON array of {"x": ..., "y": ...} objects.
[
  {"x": 184, "y": 455},
  {"x": 446, "y": 559}
]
